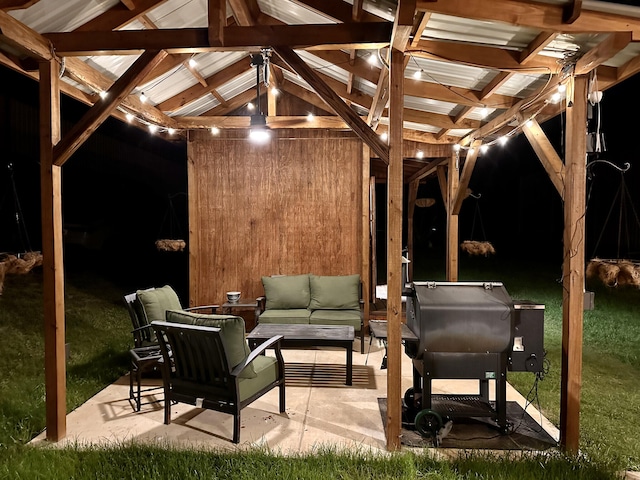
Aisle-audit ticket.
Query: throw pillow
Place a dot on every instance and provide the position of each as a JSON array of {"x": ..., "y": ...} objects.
[
  {"x": 287, "y": 291},
  {"x": 232, "y": 331},
  {"x": 335, "y": 292},
  {"x": 156, "y": 301}
]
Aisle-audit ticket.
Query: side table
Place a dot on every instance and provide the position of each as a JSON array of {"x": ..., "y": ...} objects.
[
  {"x": 143, "y": 359},
  {"x": 237, "y": 308}
]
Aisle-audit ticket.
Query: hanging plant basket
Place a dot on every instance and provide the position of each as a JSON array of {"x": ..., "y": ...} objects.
[
  {"x": 166, "y": 245},
  {"x": 425, "y": 202},
  {"x": 614, "y": 272},
  {"x": 477, "y": 248},
  {"x": 18, "y": 264}
]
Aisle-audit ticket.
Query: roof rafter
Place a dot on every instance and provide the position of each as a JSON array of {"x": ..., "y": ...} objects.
[
  {"x": 542, "y": 16},
  {"x": 359, "y": 127}
]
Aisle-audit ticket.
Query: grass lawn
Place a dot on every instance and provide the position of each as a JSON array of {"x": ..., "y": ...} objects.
[{"x": 98, "y": 333}]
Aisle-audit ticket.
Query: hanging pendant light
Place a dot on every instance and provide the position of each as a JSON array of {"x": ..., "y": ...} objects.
[{"x": 259, "y": 132}]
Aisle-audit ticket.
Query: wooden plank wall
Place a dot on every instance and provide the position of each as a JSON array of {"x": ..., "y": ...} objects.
[{"x": 288, "y": 207}]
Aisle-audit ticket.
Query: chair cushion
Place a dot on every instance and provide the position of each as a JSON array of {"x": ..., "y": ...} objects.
[
  {"x": 337, "y": 317},
  {"x": 156, "y": 301},
  {"x": 287, "y": 291},
  {"x": 233, "y": 334},
  {"x": 289, "y": 316},
  {"x": 266, "y": 368},
  {"x": 335, "y": 292}
]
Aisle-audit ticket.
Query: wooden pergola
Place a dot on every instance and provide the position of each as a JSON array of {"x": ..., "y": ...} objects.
[{"x": 48, "y": 57}]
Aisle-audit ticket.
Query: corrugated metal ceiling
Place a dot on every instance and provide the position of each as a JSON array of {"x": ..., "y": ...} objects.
[{"x": 64, "y": 16}]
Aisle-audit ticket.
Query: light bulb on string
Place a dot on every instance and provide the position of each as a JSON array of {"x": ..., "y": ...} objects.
[{"x": 215, "y": 130}]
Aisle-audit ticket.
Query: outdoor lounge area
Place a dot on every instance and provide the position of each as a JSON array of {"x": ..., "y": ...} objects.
[{"x": 320, "y": 410}]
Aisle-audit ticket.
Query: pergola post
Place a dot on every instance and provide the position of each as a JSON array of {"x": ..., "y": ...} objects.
[
  {"x": 366, "y": 233},
  {"x": 452, "y": 220},
  {"x": 394, "y": 250},
  {"x": 573, "y": 268},
  {"x": 52, "y": 261}
]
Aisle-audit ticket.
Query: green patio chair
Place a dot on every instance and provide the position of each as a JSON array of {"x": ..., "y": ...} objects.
[{"x": 207, "y": 367}]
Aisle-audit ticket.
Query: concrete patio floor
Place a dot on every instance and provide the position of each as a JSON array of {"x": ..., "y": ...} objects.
[{"x": 320, "y": 409}]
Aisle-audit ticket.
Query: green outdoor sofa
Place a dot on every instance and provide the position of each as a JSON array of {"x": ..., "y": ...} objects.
[{"x": 314, "y": 300}]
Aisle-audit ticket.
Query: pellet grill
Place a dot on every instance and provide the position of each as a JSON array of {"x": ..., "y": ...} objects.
[{"x": 467, "y": 330}]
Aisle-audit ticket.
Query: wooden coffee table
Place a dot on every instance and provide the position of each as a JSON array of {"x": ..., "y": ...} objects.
[{"x": 303, "y": 336}]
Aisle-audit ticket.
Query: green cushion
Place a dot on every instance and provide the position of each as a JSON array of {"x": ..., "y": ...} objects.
[
  {"x": 266, "y": 368},
  {"x": 156, "y": 301},
  {"x": 233, "y": 334},
  {"x": 287, "y": 291},
  {"x": 337, "y": 317},
  {"x": 335, "y": 292},
  {"x": 289, "y": 316}
]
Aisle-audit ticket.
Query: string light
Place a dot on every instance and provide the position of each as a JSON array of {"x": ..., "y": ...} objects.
[
  {"x": 215, "y": 130},
  {"x": 275, "y": 91},
  {"x": 143, "y": 97},
  {"x": 171, "y": 131},
  {"x": 562, "y": 88},
  {"x": 130, "y": 117},
  {"x": 192, "y": 62},
  {"x": 503, "y": 140},
  {"x": 417, "y": 74},
  {"x": 484, "y": 111},
  {"x": 153, "y": 128},
  {"x": 310, "y": 117},
  {"x": 103, "y": 94},
  {"x": 456, "y": 147},
  {"x": 419, "y": 154},
  {"x": 484, "y": 148},
  {"x": 384, "y": 136},
  {"x": 250, "y": 106},
  {"x": 372, "y": 60}
]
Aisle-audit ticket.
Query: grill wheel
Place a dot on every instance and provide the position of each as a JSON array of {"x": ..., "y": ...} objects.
[{"x": 428, "y": 423}]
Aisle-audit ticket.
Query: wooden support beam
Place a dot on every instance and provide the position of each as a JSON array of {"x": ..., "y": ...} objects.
[
  {"x": 359, "y": 127},
  {"x": 366, "y": 234},
  {"x": 373, "y": 228},
  {"x": 16, "y": 39},
  {"x": 573, "y": 268},
  {"x": 196, "y": 74},
  {"x": 421, "y": 20},
  {"x": 488, "y": 57},
  {"x": 52, "y": 257},
  {"x": 451, "y": 269},
  {"x": 213, "y": 81},
  {"x": 380, "y": 99},
  {"x": 100, "y": 111},
  {"x": 538, "y": 44},
  {"x": 548, "y": 156},
  {"x": 602, "y": 52},
  {"x": 571, "y": 11},
  {"x": 179, "y": 40},
  {"x": 538, "y": 15},
  {"x": 465, "y": 176},
  {"x": 217, "y": 18},
  {"x": 394, "y": 252},
  {"x": 441, "y": 173},
  {"x": 412, "y": 195},
  {"x": 403, "y": 24},
  {"x": 245, "y": 11},
  {"x": 495, "y": 83},
  {"x": 427, "y": 170}
]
